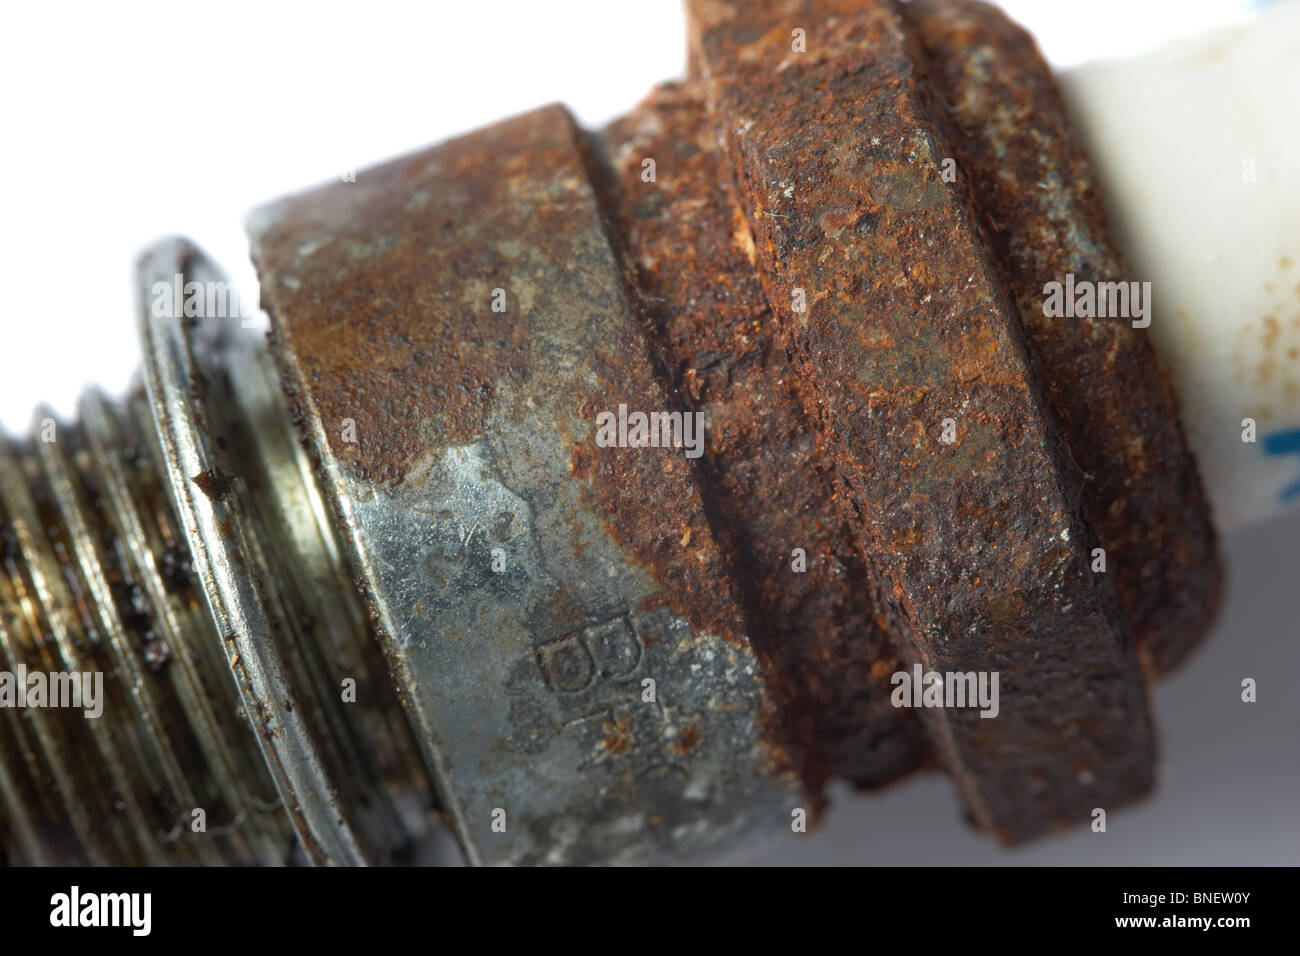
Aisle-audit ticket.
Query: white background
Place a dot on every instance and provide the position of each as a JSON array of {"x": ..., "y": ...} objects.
[{"x": 125, "y": 122}]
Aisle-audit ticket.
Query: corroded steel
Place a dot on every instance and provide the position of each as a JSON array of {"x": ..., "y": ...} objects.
[
  {"x": 936, "y": 420},
  {"x": 1036, "y": 192}
]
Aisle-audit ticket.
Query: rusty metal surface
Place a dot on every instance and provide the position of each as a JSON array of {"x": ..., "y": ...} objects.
[
  {"x": 1036, "y": 192},
  {"x": 691, "y": 261},
  {"x": 980, "y": 551},
  {"x": 474, "y": 431}
]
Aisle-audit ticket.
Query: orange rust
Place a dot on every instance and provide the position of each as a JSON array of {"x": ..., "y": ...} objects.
[
  {"x": 687, "y": 740},
  {"x": 716, "y": 343},
  {"x": 1010, "y": 135},
  {"x": 916, "y": 264}
]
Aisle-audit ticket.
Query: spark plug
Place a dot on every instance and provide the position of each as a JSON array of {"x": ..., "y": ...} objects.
[{"x": 416, "y": 564}]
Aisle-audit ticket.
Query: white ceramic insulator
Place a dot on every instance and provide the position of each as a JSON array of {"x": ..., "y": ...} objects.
[{"x": 1197, "y": 145}]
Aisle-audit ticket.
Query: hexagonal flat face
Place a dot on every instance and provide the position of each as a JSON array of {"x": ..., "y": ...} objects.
[
  {"x": 898, "y": 320},
  {"x": 813, "y": 621},
  {"x": 1012, "y": 137},
  {"x": 556, "y": 612}
]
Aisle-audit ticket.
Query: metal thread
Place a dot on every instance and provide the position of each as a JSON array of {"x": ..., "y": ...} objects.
[
  {"x": 97, "y": 579},
  {"x": 264, "y": 738}
]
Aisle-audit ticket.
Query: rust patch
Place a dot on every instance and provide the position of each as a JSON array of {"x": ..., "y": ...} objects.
[
  {"x": 718, "y": 345},
  {"x": 214, "y": 483},
  {"x": 907, "y": 317},
  {"x": 382, "y": 296},
  {"x": 1033, "y": 185},
  {"x": 394, "y": 333},
  {"x": 618, "y": 736},
  {"x": 687, "y": 740}
]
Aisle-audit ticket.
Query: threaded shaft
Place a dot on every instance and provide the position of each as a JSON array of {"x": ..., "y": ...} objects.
[
  {"x": 97, "y": 580},
  {"x": 208, "y": 612}
]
